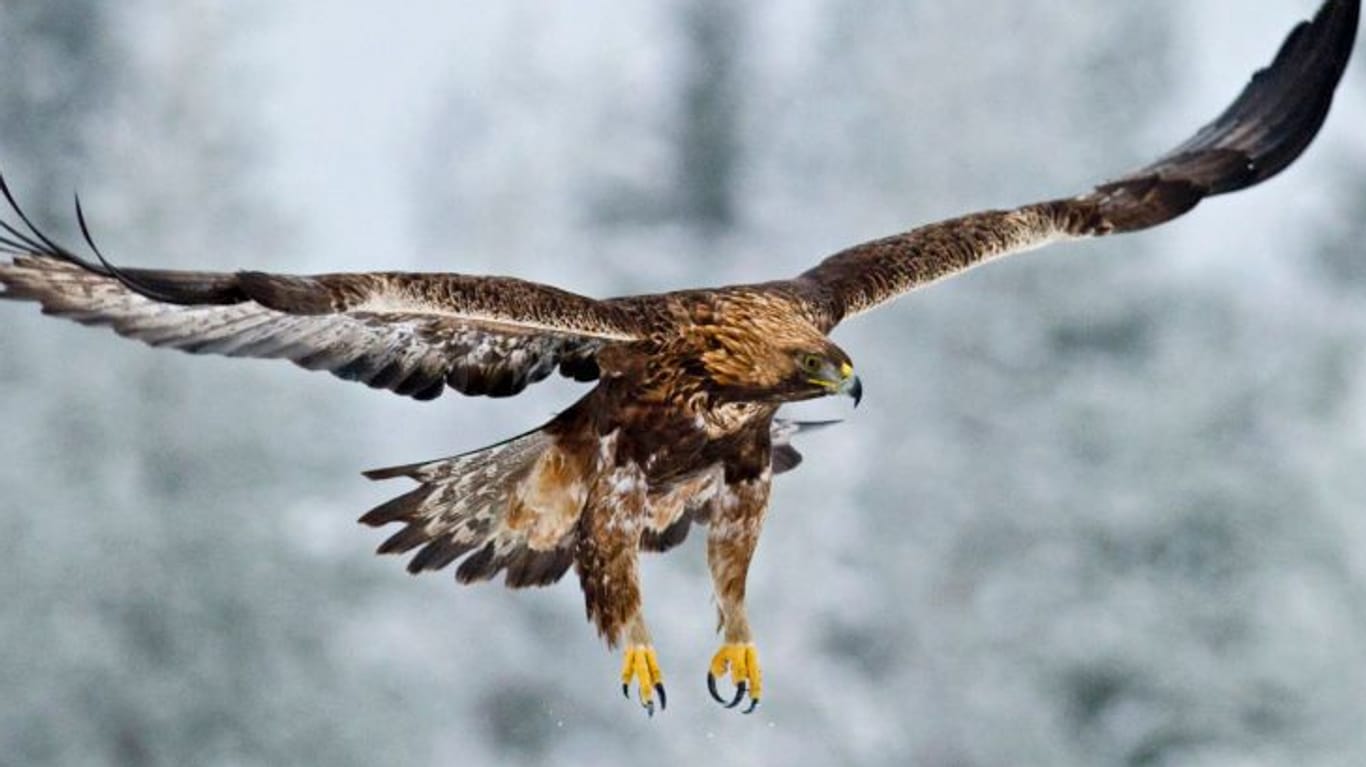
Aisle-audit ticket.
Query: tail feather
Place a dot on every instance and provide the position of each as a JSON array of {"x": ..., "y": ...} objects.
[
  {"x": 487, "y": 507},
  {"x": 428, "y": 471},
  {"x": 514, "y": 507}
]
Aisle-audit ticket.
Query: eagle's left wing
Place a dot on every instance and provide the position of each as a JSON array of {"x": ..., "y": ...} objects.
[
  {"x": 413, "y": 334},
  {"x": 1264, "y": 130}
]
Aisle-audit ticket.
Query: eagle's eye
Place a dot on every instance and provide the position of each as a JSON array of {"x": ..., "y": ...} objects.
[{"x": 812, "y": 363}]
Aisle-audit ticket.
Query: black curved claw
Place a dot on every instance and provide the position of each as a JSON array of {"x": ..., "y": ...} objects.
[
  {"x": 711, "y": 688},
  {"x": 753, "y": 704},
  {"x": 740, "y": 691},
  {"x": 648, "y": 705},
  {"x": 716, "y": 696}
]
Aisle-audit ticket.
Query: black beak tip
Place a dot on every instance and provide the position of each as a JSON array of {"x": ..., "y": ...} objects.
[{"x": 856, "y": 391}]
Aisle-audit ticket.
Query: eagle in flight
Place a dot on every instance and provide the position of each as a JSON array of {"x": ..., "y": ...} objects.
[{"x": 680, "y": 428}]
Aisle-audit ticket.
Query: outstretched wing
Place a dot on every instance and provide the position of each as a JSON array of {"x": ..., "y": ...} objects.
[
  {"x": 413, "y": 334},
  {"x": 1263, "y": 131}
]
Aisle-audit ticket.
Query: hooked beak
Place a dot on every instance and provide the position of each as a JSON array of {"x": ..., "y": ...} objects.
[
  {"x": 842, "y": 381},
  {"x": 849, "y": 383},
  {"x": 852, "y": 387}
]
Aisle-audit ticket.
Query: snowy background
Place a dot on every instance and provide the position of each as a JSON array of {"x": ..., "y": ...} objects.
[{"x": 1103, "y": 504}]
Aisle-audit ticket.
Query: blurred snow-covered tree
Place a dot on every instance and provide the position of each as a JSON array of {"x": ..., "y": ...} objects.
[{"x": 1101, "y": 504}]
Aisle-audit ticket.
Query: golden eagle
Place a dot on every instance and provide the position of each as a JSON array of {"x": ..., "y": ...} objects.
[{"x": 680, "y": 428}]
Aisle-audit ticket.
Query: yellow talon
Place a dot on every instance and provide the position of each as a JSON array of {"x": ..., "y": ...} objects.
[
  {"x": 741, "y": 661},
  {"x": 641, "y": 665}
]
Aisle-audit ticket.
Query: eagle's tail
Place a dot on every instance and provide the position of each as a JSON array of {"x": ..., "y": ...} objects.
[{"x": 512, "y": 506}]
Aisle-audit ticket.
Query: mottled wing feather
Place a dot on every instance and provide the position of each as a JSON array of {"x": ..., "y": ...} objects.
[
  {"x": 413, "y": 334},
  {"x": 1269, "y": 124},
  {"x": 475, "y": 506}
]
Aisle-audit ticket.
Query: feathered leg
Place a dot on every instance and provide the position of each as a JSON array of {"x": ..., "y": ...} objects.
[
  {"x": 737, "y": 515},
  {"x": 606, "y": 560}
]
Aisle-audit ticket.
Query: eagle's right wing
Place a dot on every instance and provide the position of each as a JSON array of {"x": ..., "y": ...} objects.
[
  {"x": 413, "y": 334},
  {"x": 1270, "y": 123}
]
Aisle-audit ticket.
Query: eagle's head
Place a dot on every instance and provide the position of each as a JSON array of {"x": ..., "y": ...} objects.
[
  {"x": 784, "y": 372},
  {"x": 823, "y": 372},
  {"x": 777, "y": 358}
]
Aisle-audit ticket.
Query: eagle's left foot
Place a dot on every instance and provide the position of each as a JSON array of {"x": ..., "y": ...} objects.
[
  {"x": 641, "y": 665},
  {"x": 742, "y": 662}
]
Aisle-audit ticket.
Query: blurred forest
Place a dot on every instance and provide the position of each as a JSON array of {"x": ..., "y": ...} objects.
[{"x": 1101, "y": 506}]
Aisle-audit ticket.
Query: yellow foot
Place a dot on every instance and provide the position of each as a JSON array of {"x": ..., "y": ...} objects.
[
  {"x": 742, "y": 661},
  {"x": 641, "y": 665}
]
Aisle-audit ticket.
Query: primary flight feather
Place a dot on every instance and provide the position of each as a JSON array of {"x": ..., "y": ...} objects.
[{"x": 680, "y": 428}]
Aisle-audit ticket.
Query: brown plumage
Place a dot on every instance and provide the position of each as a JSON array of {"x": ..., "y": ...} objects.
[{"x": 680, "y": 427}]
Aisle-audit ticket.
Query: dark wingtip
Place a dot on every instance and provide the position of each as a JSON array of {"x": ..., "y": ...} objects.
[
  {"x": 33, "y": 242},
  {"x": 1280, "y": 111},
  {"x": 89, "y": 239},
  {"x": 394, "y": 472},
  {"x": 184, "y": 289},
  {"x": 164, "y": 292},
  {"x": 1266, "y": 128},
  {"x": 1300, "y": 84}
]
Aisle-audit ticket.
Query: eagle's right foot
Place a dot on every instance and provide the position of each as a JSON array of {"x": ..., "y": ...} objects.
[
  {"x": 641, "y": 665},
  {"x": 742, "y": 662}
]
